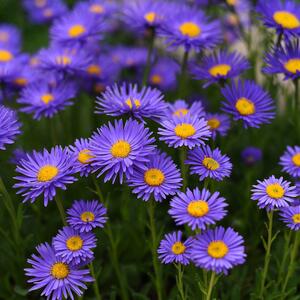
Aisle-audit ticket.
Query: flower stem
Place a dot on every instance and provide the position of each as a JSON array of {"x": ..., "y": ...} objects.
[
  {"x": 183, "y": 77},
  {"x": 211, "y": 285},
  {"x": 95, "y": 284},
  {"x": 179, "y": 281},
  {"x": 61, "y": 209},
  {"x": 149, "y": 56}
]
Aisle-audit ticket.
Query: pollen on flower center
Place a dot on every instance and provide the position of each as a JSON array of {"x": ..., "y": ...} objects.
[
  {"x": 217, "y": 249},
  {"x": 150, "y": 17},
  {"x": 94, "y": 70},
  {"x": 63, "y": 60},
  {"x": 190, "y": 29},
  {"x": 84, "y": 156},
  {"x": 96, "y": 9},
  {"x": 210, "y": 163},
  {"x": 275, "y": 190},
  {"x": 40, "y": 3},
  {"x": 47, "y": 173},
  {"x": 87, "y": 216},
  {"x": 213, "y": 123},
  {"x": 120, "y": 149},
  {"x": 231, "y": 2},
  {"x": 178, "y": 248},
  {"x": 181, "y": 112},
  {"x": 198, "y": 208},
  {"x": 74, "y": 243},
  {"x": 296, "y": 218},
  {"x": 296, "y": 159},
  {"x": 5, "y": 56},
  {"x": 219, "y": 70},
  {"x": 286, "y": 19},
  {"x": 136, "y": 102},
  {"x": 60, "y": 270},
  {"x": 76, "y": 30},
  {"x": 154, "y": 177},
  {"x": 293, "y": 65},
  {"x": 21, "y": 81},
  {"x": 245, "y": 106},
  {"x": 46, "y": 98},
  {"x": 185, "y": 130},
  {"x": 156, "y": 79}
]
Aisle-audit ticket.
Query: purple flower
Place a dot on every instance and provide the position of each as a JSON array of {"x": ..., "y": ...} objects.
[
  {"x": 97, "y": 8},
  {"x": 291, "y": 216},
  {"x": 273, "y": 193},
  {"x": 251, "y": 155},
  {"x": 160, "y": 177},
  {"x": 173, "y": 250},
  {"x": 118, "y": 148},
  {"x": 218, "y": 250},
  {"x": 218, "y": 124},
  {"x": 44, "y": 172},
  {"x": 129, "y": 57},
  {"x": 180, "y": 108},
  {"x": 57, "y": 279},
  {"x": 208, "y": 163},
  {"x": 197, "y": 209},
  {"x": 10, "y": 36},
  {"x": 290, "y": 161}
]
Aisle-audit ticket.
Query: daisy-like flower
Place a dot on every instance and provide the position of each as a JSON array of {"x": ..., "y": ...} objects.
[
  {"x": 44, "y": 99},
  {"x": 218, "y": 250},
  {"x": 160, "y": 177},
  {"x": 284, "y": 16},
  {"x": 57, "y": 279},
  {"x": 129, "y": 57},
  {"x": 290, "y": 161},
  {"x": 84, "y": 216},
  {"x": 173, "y": 250},
  {"x": 74, "y": 246},
  {"x": 273, "y": 193},
  {"x": 9, "y": 126},
  {"x": 208, "y": 163},
  {"x": 118, "y": 148},
  {"x": 180, "y": 108},
  {"x": 248, "y": 102},
  {"x": 187, "y": 131},
  {"x": 10, "y": 36},
  {"x": 97, "y": 8},
  {"x": 197, "y": 208},
  {"x": 127, "y": 99},
  {"x": 291, "y": 216},
  {"x": 220, "y": 66},
  {"x": 41, "y": 173},
  {"x": 191, "y": 29},
  {"x": 251, "y": 155},
  {"x": 218, "y": 124},
  {"x": 284, "y": 60}
]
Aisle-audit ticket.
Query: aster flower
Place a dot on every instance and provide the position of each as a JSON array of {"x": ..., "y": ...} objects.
[
  {"x": 9, "y": 126},
  {"x": 74, "y": 246},
  {"x": 251, "y": 155},
  {"x": 291, "y": 216},
  {"x": 10, "y": 36},
  {"x": 17, "y": 155},
  {"x": 187, "y": 131},
  {"x": 160, "y": 177},
  {"x": 208, "y": 163},
  {"x": 273, "y": 193},
  {"x": 97, "y": 8},
  {"x": 218, "y": 124},
  {"x": 285, "y": 60},
  {"x": 41, "y": 173},
  {"x": 119, "y": 147},
  {"x": 190, "y": 28},
  {"x": 248, "y": 102},
  {"x": 197, "y": 209},
  {"x": 127, "y": 99},
  {"x": 173, "y": 250},
  {"x": 129, "y": 57},
  {"x": 218, "y": 250},
  {"x": 283, "y": 16},
  {"x": 23, "y": 76},
  {"x": 290, "y": 161},
  {"x": 44, "y": 99},
  {"x": 84, "y": 216},
  {"x": 56, "y": 278},
  {"x": 181, "y": 108},
  {"x": 220, "y": 66}
]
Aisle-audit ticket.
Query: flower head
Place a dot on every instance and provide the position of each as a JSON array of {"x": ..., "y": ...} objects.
[
  {"x": 251, "y": 155},
  {"x": 180, "y": 108},
  {"x": 129, "y": 57},
  {"x": 291, "y": 216},
  {"x": 97, "y": 8},
  {"x": 218, "y": 124},
  {"x": 290, "y": 161},
  {"x": 10, "y": 36}
]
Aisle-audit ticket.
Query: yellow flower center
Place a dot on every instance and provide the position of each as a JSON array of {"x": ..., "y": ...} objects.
[
  {"x": 137, "y": 103},
  {"x": 76, "y": 31},
  {"x": 46, "y": 98},
  {"x": 219, "y": 70},
  {"x": 60, "y": 270},
  {"x": 275, "y": 190},
  {"x": 185, "y": 130},
  {"x": 180, "y": 112},
  {"x": 48, "y": 12},
  {"x": 84, "y": 156},
  {"x": 40, "y": 3},
  {"x": 5, "y": 56},
  {"x": 87, "y": 216},
  {"x": 286, "y": 19},
  {"x": 245, "y": 106},
  {"x": 156, "y": 79},
  {"x": 34, "y": 61},
  {"x": 74, "y": 243},
  {"x": 213, "y": 123},
  {"x": 210, "y": 164},
  {"x": 94, "y": 70},
  {"x": 47, "y": 173},
  {"x": 296, "y": 159},
  {"x": 97, "y": 9},
  {"x": 198, "y": 208},
  {"x": 63, "y": 60},
  {"x": 150, "y": 17},
  {"x": 296, "y": 218},
  {"x": 232, "y": 2},
  {"x": 154, "y": 177},
  {"x": 4, "y": 36},
  {"x": 21, "y": 81},
  {"x": 190, "y": 29},
  {"x": 217, "y": 249},
  {"x": 120, "y": 149},
  {"x": 293, "y": 65},
  {"x": 178, "y": 248}
]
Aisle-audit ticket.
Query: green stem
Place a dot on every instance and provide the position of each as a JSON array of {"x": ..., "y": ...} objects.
[
  {"x": 183, "y": 152},
  {"x": 286, "y": 252},
  {"x": 267, "y": 256},
  {"x": 149, "y": 56},
  {"x": 154, "y": 244},
  {"x": 98, "y": 190},
  {"x": 95, "y": 284},
  {"x": 61, "y": 209},
  {"x": 211, "y": 285},
  {"x": 183, "y": 77},
  {"x": 179, "y": 281}
]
